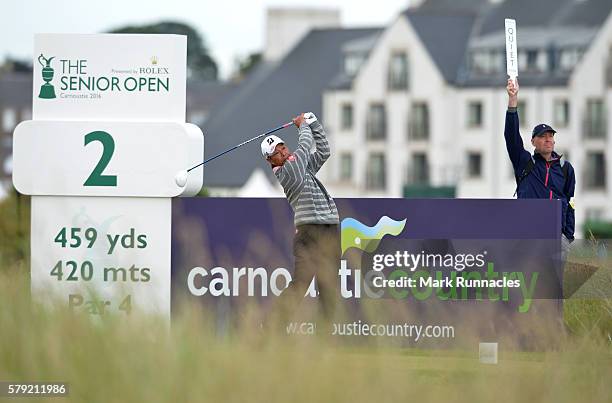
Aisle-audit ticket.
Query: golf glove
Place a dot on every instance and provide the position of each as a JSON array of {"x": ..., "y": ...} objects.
[{"x": 310, "y": 118}]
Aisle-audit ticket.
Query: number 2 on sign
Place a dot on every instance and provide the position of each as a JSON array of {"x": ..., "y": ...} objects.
[{"x": 108, "y": 148}]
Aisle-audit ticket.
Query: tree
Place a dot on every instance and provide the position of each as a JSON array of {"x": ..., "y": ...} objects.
[
  {"x": 246, "y": 65},
  {"x": 16, "y": 66},
  {"x": 199, "y": 62}
]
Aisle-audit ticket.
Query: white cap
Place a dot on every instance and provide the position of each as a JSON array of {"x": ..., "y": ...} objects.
[{"x": 268, "y": 145}]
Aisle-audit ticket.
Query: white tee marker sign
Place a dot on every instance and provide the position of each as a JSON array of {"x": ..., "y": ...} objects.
[{"x": 511, "y": 49}]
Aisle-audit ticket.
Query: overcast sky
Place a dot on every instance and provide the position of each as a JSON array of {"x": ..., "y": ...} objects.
[{"x": 231, "y": 28}]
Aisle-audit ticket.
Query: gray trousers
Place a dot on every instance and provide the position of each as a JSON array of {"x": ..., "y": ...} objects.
[{"x": 316, "y": 248}]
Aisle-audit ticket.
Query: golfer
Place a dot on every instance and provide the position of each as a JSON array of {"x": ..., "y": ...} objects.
[
  {"x": 543, "y": 175},
  {"x": 316, "y": 245}
]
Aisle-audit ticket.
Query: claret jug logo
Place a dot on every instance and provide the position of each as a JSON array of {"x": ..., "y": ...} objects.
[{"x": 47, "y": 91}]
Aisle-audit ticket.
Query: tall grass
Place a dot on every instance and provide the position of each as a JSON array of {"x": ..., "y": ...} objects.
[
  {"x": 14, "y": 231},
  {"x": 144, "y": 360}
]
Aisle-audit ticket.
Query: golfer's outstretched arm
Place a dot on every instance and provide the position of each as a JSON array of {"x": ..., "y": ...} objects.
[
  {"x": 322, "y": 152},
  {"x": 514, "y": 142},
  {"x": 305, "y": 141},
  {"x": 291, "y": 175}
]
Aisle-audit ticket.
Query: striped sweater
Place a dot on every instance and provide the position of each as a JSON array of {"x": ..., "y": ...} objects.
[{"x": 307, "y": 196}]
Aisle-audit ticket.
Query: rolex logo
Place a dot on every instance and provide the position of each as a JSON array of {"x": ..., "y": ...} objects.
[{"x": 154, "y": 60}]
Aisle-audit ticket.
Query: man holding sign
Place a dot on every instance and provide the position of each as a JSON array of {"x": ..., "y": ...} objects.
[{"x": 543, "y": 175}]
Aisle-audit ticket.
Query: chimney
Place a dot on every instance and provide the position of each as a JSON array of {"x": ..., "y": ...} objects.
[{"x": 285, "y": 27}]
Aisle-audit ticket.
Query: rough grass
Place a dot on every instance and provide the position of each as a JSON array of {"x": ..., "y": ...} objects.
[{"x": 143, "y": 360}]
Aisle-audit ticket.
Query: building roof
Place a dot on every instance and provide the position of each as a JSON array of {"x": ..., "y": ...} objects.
[
  {"x": 16, "y": 90},
  {"x": 545, "y": 13},
  {"x": 450, "y": 29},
  {"x": 445, "y": 36},
  {"x": 361, "y": 46},
  {"x": 539, "y": 38},
  {"x": 454, "y": 7},
  {"x": 269, "y": 97},
  {"x": 204, "y": 94}
]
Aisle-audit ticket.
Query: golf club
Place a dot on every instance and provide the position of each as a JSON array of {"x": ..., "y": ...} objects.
[{"x": 181, "y": 177}]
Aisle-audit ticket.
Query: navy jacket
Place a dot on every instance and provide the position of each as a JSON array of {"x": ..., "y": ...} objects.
[{"x": 546, "y": 180}]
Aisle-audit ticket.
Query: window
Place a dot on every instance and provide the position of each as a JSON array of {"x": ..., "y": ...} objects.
[
  {"x": 419, "y": 122},
  {"x": 480, "y": 62},
  {"x": 346, "y": 167},
  {"x": 474, "y": 165},
  {"x": 9, "y": 120},
  {"x": 475, "y": 114},
  {"x": 595, "y": 173},
  {"x": 352, "y": 63},
  {"x": 487, "y": 61},
  {"x": 398, "y": 71},
  {"x": 561, "y": 113},
  {"x": 532, "y": 60},
  {"x": 419, "y": 169},
  {"x": 595, "y": 119},
  {"x": 347, "y": 117},
  {"x": 522, "y": 113},
  {"x": 497, "y": 61},
  {"x": 375, "y": 172},
  {"x": 376, "y": 122},
  {"x": 568, "y": 58}
]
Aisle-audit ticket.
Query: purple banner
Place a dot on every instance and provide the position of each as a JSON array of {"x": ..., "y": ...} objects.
[{"x": 413, "y": 272}]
